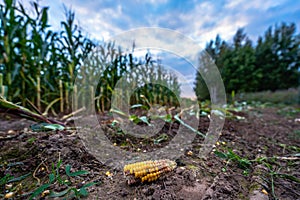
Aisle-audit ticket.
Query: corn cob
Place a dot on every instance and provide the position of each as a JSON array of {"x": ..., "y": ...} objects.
[{"x": 147, "y": 171}]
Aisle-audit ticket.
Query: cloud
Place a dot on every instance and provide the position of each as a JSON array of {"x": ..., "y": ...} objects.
[
  {"x": 257, "y": 5},
  {"x": 260, "y": 15},
  {"x": 200, "y": 20}
]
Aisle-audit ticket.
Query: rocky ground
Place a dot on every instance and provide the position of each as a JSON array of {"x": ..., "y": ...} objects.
[{"x": 255, "y": 158}]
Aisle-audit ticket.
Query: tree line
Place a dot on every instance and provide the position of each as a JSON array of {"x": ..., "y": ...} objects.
[{"x": 272, "y": 63}]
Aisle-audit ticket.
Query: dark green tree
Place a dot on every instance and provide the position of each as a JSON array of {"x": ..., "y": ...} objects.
[
  {"x": 238, "y": 65},
  {"x": 218, "y": 50},
  {"x": 277, "y": 55},
  {"x": 270, "y": 65}
]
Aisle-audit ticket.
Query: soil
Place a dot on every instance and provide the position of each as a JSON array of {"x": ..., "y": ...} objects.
[{"x": 257, "y": 138}]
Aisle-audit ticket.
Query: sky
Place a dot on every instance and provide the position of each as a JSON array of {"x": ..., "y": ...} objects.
[{"x": 200, "y": 20}]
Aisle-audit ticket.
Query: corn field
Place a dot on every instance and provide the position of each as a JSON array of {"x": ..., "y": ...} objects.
[{"x": 38, "y": 66}]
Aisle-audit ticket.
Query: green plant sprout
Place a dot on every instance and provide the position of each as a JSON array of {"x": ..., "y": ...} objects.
[
  {"x": 163, "y": 137},
  {"x": 56, "y": 178},
  {"x": 246, "y": 164},
  {"x": 230, "y": 156}
]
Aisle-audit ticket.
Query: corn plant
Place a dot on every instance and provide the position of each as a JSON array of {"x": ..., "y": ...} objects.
[
  {"x": 3, "y": 88},
  {"x": 39, "y": 65},
  {"x": 13, "y": 27}
]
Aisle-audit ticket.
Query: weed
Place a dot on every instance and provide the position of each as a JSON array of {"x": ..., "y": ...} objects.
[
  {"x": 269, "y": 162},
  {"x": 288, "y": 111},
  {"x": 56, "y": 178},
  {"x": 288, "y": 97},
  {"x": 31, "y": 140},
  {"x": 295, "y": 134},
  {"x": 230, "y": 156},
  {"x": 163, "y": 137}
]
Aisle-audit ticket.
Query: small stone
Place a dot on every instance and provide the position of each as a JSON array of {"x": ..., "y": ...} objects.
[
  {"x": 8, "y": 186},
  {"x": 209, "y": 164},
  {"x": 148, "y": 191},
  {"x": 168, "y": 183},
  {"x": 124, "y": 193},
  {"x": 11, "y": 132},
  {"x": 45, "y": 193},
  {"x": 9, "y": 195},
  {"x": 179, "y": 170},
  {"x": 192, "y": 177}
]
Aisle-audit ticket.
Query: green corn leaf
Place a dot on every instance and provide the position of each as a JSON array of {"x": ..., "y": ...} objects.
[
  {"x": 136, "y": 106},
  {"x": 44, "y": 18},
  {"x": 7, "y": 104},
  {"x": 58, "y": 164},
  {"x": 232, "y": 155},
  {"x": 19, "y": 178},
  {"x": 290, "y": 177},
  {"x": 51, "y": 104},
  {"x": 67, "y": 169},
  {"x": 15, "y": 164},
  {"x": 51, "y": 178},
  {"x": 89, "y": 184},
  {"x": 188, "y": 126},
  {"x": 5, "y": 179},
  {"x": 40, "y": 189},
  {"x": 54, "y": 127},
  {"x": 244, "y": 163},
  {"x": 77, "y": 173},
  {"x": 221, "y": 154},
  {"x": 59, "y": 194},
  {"x": 76, "y": 192},
  {"x": 83, "y": 192},
  {"x": 118, "y": 112},
  {"x": 161, "y": 138},
  {"x": 46, "y": 127},
  {"x": 145, "y": 120},
  {"x": 167, "y": 118},
  {"x": 133, "y": 118},
  {"x": 139, "y": 106}
]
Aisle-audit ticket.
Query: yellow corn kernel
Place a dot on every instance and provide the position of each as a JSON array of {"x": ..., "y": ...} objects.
[
  {"x": 264, "y": 191},
  {"x": 147, "y": 170},
  {"x": 136, "y": 175}
]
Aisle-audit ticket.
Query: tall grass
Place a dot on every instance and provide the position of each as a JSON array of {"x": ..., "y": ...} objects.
[{"x": 289, "y": 96}]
